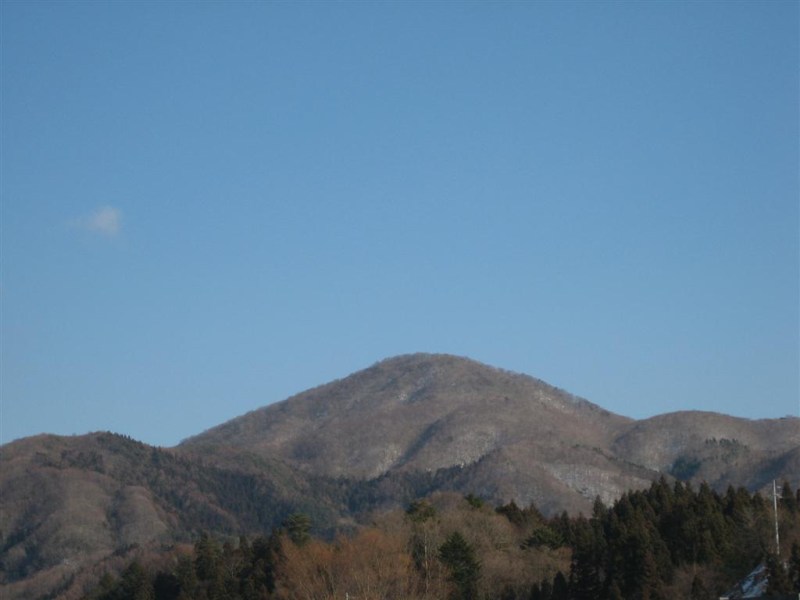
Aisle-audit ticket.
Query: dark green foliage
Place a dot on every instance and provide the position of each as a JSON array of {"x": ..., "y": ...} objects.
[
  {"x": 560, "y": 587},
  {"x": 632, "y": 549},
  {"x": 459, "y": 557},
  {"x": 134, "y": 584},
  {"x": 779, "y": 582},
  {"x": 544, "y": 591},
  {"x": 474, "y": 501},
  {"x": 544, "y": 536},
  {"x": 513, "y": 513},
  {"x": 166, "y": 586},
  {"x": 788, "y": 499},
  {"x": 629, "y": 551},
  {"x": 211, "y": 572},
  {"x": 794, "y": 567},
  {"x": 187, "y": 578},
  {"x": 298, "y": 526},
  {"x": 420, "y": 511},
  {"x": 523, "y": 518},
  {"x": 685, "y": 467},
  {"x": 530, "y": 521},
  {"x": 700, "y": 591},
  {"x": 263, "y": 556},
  {"x": 587, "y": 561},
  {"x": 207, "y": 561},
  {"x": 614, "y": 593}
]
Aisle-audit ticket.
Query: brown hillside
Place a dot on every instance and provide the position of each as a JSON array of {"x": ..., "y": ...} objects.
[
  {"x": 512, "y": 436},
  {"x": 72, "y": 504},
  {"x": 408, "y": 426}
]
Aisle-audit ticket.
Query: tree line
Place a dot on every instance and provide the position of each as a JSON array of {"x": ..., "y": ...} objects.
[{"x": 670, "y": 540}]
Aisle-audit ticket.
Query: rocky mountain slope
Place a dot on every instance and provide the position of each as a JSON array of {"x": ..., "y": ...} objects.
[{"x": 407, "y": 426}]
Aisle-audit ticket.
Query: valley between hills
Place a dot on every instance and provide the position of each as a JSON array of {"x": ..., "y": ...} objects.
[{"x": 409, "y": 427}]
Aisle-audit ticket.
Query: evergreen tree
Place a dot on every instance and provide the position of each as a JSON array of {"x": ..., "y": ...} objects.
[
  {"x": 265, "y": 554},
  {"x": 794, "y": 567},
  {"x": 546, "y": 590},
  {"x": 536, "y": 592},
  {"x": 788, "y": 499},
  {"x": 513, "y": 513},
  {"x": 420, "y": 511},
  {"x": 584, "y": 572},
  {"x": 207, "y": 555},
  {"x": 560, "y": 587},
  {"x": 614, "y": 592},
  {"x": 474, "y": 501},
  {"x": 166, "y": 586},
  {"x": 699, "y": 590},
  {"x": 187, "y": 578},
  {"x": 298, "y": 526},
  {"x": 650, "y": 584},
  {"x": 778, "y": 582},
  {"x": 459, "y": 557},
  {"x": 106, "y": 588},
  {"x": 135, "y": 583}
]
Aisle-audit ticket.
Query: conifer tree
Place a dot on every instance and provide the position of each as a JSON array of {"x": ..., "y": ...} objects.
[
  {"x": 187, "y": 578},
  {"x": 560, "y": 587},
  {"x": 545, "y": 590},
  {"x": 794, "y": 567},
  {"x": 699, "y": 590},
  {"x": 207, "y": 555},
  {"x": 135, "y": 583},
  {"x": 459, "y": 557},
  {"x": 788, "y": 499},
  {"x": 778, "y": 582},
  {"x": 298, "y": 526},
  {"x": 584, "y": 572},
  {"x": 614, "y": 592}
]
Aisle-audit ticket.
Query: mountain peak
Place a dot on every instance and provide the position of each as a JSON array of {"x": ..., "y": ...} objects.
[
  {"x": 511, "y": 436},
  {"x": 414, "y": 412}
]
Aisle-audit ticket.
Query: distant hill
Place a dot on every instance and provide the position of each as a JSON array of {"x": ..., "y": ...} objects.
[
  {"x": 71, "y": 507},
  {"x": 510, "y": 435},
  {"x": 75, "y": 506}
]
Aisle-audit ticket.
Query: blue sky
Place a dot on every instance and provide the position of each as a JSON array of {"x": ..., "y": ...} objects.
[{"x": 208, "y": 207}]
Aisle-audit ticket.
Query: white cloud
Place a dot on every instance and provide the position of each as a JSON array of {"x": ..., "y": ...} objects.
[{"x": 105, "y": 220}]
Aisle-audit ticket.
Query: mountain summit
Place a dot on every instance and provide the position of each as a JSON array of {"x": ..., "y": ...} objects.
[{"x": 505, "y": 435}]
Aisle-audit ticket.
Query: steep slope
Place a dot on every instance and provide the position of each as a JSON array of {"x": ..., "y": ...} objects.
[
  {"x": 515, "y": 436},
  {"x": 500, "y": 434},
  {"x": 418, "y": 411}
]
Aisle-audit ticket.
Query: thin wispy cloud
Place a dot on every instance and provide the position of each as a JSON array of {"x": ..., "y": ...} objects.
[{"x": 105, "y": 220}]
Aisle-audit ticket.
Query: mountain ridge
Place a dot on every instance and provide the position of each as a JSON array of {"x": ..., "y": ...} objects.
[
  {"x": 436, "y": 411},
  {"x": 405, "y": 427},
  {"x": 417, "y": 397}
]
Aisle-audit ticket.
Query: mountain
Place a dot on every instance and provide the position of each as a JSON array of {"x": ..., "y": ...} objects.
[
  {"x": 73, "y": 507},
  {"x": 719, "y": 449},
  {"x": 502, "y": 435}
]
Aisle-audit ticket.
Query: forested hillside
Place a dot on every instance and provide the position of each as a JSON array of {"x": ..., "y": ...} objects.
[
  {"x": 73, "y": 508},
  {"x": 669, "y": 541}
]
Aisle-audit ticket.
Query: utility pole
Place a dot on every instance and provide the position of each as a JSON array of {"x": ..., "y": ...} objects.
[{"x": 775, "y": 509}]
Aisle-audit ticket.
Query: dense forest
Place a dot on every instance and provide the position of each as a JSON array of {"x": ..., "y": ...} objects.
[{"x": 664, "y": 542}]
